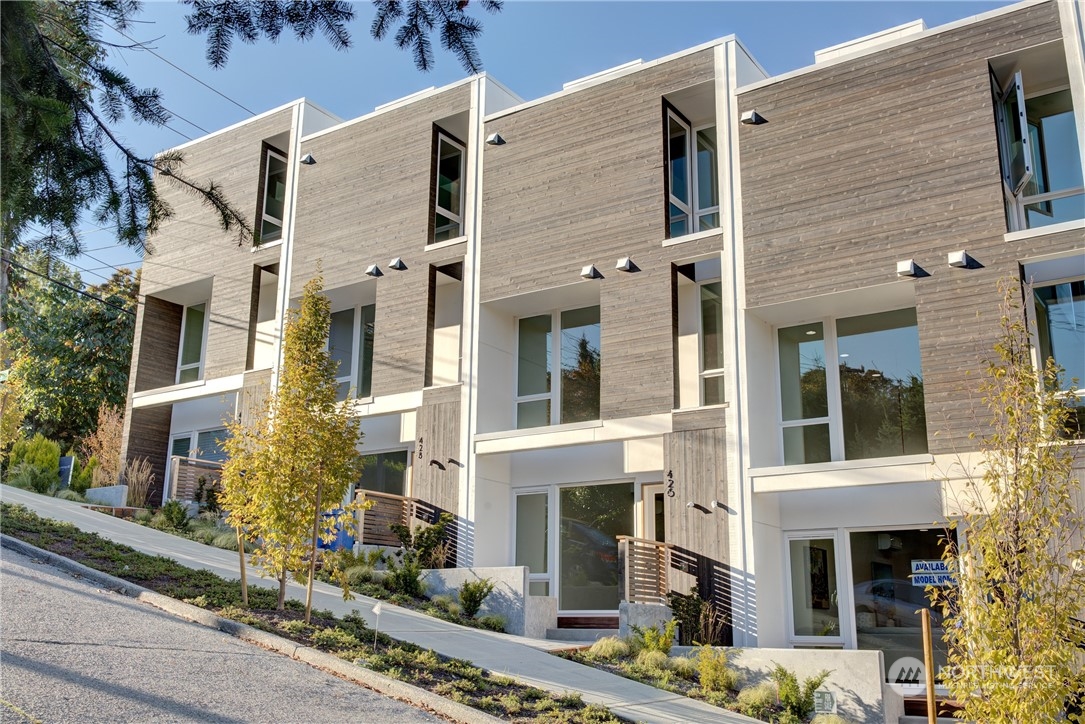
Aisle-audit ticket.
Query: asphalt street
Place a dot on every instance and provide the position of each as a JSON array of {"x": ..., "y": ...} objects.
[{"x": 72, "y": 652}]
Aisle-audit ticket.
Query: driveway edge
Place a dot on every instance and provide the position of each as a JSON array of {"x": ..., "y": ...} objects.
[{"x": 318, "y": 659}]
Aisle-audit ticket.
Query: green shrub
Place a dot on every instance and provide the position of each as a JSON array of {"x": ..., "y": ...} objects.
[
  {"x": 829, "y": 719},
  {"x": 28, "y": 476},
  {"x": 472, "y": 595},
  {"x": 609, "y": 648},
  {"x": 652, "y": 663},
  {"x": 492, "y": 622},
  {"x": 175, "y": 515},
  {"x": 82, "y": 475},
  {"x": 797, "y": 699},
  {"x": 72, "y": 495},
  {"x": 404, "y": 575},
  {"x": 757, "y": 701},
  {"x": 427, "y": 543},
  {"x": 143, "y": 516},
  {"x": 226, "y": 541},
  {"x": 650, "y": 638},
  {"x": 39, "y": 451},
  {"x": 712, "y": 671}
]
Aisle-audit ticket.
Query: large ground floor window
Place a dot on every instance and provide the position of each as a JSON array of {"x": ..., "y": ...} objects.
[{"x": 865, "y": 589}]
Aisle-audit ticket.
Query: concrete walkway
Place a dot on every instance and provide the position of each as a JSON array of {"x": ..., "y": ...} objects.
[{"x": 525, "y": 659}]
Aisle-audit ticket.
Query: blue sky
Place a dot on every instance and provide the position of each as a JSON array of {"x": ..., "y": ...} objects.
[{"x": 531, "y": 47}]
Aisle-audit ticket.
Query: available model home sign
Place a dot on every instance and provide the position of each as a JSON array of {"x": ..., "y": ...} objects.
[{"x": 931, "y": 573}]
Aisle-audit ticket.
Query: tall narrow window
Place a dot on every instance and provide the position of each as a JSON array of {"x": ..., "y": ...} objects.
[
  {"x": 448, "y": 211},
  {"x": 712, "y": 344},
  {"x": 350, "y": 343},
  {"x": 193, "y": 330},
  {"x": 574, "y": 395},
  {"x": 1038, "y": 144},
  {"x": 274, "y": 201},
  {"x": 692, "y": 177},
  {"x": 533, "y": 540}
]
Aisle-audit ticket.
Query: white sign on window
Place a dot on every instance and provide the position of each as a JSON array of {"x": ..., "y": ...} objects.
[{"x": 931, "y": 573}]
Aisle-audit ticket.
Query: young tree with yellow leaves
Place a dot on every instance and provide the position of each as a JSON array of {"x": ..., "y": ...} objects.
[
  {"x": 1012, "y": 624},
  {"x": 290, "y": 468}
]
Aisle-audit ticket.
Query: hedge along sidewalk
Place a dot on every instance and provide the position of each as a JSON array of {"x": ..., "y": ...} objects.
[
  {"x": 525, "y": 660},
  {"x": 327, "y": 662}
]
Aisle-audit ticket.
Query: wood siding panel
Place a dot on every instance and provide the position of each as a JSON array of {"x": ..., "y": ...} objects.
[
  {"x": 697, "y": 460},
  {"x": 438, "y": 427},
  {"x": 888, "y": 157},
  {"x": 581, "y": 181},
  {"x": 147, "y": 435},
  {"x": 155, "y": 344},
  {"x": 190, "y": 246},
  {"x": 367, "y": 201}
]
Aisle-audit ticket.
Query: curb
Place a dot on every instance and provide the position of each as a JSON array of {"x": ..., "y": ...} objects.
[{"x": 318, "y": 659}]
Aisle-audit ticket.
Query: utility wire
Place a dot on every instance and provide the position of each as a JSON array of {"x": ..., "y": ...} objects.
[
  {"x": 71, "y": 288},
  {"x": 167, "y": 62}
]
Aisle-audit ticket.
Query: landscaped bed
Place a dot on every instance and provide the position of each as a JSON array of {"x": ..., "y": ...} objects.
[
  {"x": 348, "y": 638},
  {"x": 705, "y": 675}
]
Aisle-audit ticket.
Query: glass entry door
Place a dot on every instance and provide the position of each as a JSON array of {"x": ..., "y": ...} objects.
[{"x": 592, "y": 516}]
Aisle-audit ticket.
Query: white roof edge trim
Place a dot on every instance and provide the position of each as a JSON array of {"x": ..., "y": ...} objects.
[
  {"x": 749, "y": 55},
  {"x": 490, "y": 79},
  {"x": 239, "y": 124},
  {"x": 600, "y": 74},
  {"x": 584, "y": 84},
  {"x": 912, "y": 27},
  {"x": 404, "y": 101},
  {"x": 963, "y": 22}
]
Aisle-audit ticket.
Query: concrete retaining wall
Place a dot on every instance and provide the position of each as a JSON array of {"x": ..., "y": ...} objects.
[
  {"x": 115, "y": 496},
  {"x": 524, "y": 615},
  {"x": 644, "y": 615},
  {"x": 856, "y": 680}
]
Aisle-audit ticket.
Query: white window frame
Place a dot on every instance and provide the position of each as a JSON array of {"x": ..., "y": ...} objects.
[
  {"x": 1016, "y": 202},
  {"x": 843, "y": 576},
  {"x": 706, "y": 374},
  {"x": 198, "y": 366},
  {"x": 835, "y": 418},
  {"x": 353, "y": 378},
  {"x": 551, "y": 520},
  {"x": 554, "y": 395},
  {"x": 692, "y": 209},
  {"x": 193, "y": 440},
  {"x": 457, "y": 215},
  {"x": 1034, "y": 333},
  {"x": 408, "y": 474},
  {"x": 264, "y": 216}
]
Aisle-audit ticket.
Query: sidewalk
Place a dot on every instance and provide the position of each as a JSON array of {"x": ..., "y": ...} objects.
[{"x": 524, "y": 659}]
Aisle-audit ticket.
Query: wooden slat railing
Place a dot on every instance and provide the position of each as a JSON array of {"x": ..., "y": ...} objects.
[
  {"x": 645, "y": 567},
  {"x": 375, "y": 524},
  {"x": 185, "y": 474}
]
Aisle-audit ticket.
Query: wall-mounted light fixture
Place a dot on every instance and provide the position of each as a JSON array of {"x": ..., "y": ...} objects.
[
  {"x": 959, "y": 259},
  {"x": 373, "y": 271},
  {"x": 437, "y": 464},
  {"x": 495, "y": 139},
  {"x": 752, "y": 118},
  {"x": 397, "y": 264},
  {"x": 590, "y": 272},
  {"x": 907, "y": 268},
  {"x": 626, "y": 264},
  {"x": 307, "y": 160}
]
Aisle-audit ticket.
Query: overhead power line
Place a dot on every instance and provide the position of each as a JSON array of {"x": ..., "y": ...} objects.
[
  {"x": 71, "y": 288},
  {"x": 170, "y": 63}
]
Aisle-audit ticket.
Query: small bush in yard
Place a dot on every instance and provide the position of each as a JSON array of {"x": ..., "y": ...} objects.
[
  {"x": 473, "y": 594},
  {"x": 71, "y": 495},
  {"x": 650, "y": 638},
  {"x": 492, "y": 622},
  {"x": 174, "y": 515},
  {"x": 712, "y": 670},
  {"x": 652, "y": 663},
  {"x": 829, "y": 719},
  {"x": 797, "y": 699},
  {"x": 757, "y": 701},
  {"x": 28, "y": 476},
  {"x": 609, "y": 648}
]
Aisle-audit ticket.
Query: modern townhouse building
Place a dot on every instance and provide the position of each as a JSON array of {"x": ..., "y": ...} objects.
[{"x": 571, "y": 333}]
